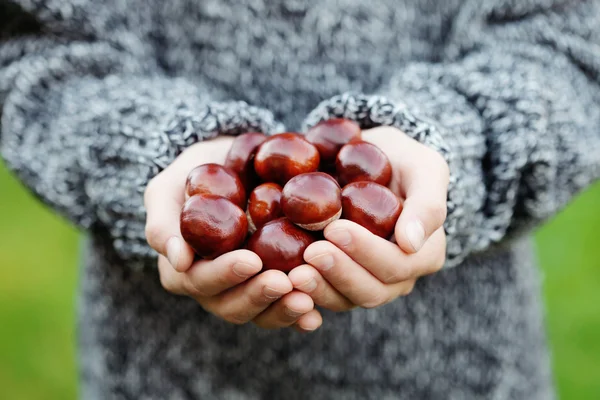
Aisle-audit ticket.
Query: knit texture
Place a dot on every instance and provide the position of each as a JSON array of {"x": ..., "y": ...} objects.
[{"x": 98, "y": 97}]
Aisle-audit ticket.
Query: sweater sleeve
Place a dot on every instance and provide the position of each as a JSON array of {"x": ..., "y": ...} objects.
[
  {"x": 513, "y": 107},
  {"x": 85, "y": 125}
]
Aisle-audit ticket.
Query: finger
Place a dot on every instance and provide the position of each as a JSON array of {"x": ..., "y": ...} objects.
[
  {"x": 170, "y": 279},
  {"x": 345, "y": 275},
  {"x": 165, "y": 195},
  {"x": 308, "y": 280},
  {"x": 244, "y": 302},
  {"x": 425, "y": 184},
  {"x": 382, "y": 258},
  {"x": 210, "y": 277},
  {"x": 163, "y": 200},
  {"x": 401, "y": 289},
  {"x": 285, "y": 311},
  {"x": 309, "y": 322}
]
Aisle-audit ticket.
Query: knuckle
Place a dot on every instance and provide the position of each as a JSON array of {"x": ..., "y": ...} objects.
[
  {"x": 321, "y": 291},
  {"x": 192, "y": 289},
  {"x": 407, "y": 288},
  {"x": 169, "y": 283},
  {"x": 261, "y": 324},
  {"x": 328, "y": 299},
  {"x": 265, "y": 323},
  {"x": 375, "y": 301},
  {"x": 341, "y": 306},
  {"x": 395, "y": 276},
  {"x": 258, "y": 301},
  {"x": 438, "y": 212},
  {"x": 152, "y": 231},
  {"x": 233, "y": 318},
  {"x": 225, "y": 279}
]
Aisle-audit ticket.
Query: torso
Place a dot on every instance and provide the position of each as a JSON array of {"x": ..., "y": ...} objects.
[{"x": 287, "y": 55}]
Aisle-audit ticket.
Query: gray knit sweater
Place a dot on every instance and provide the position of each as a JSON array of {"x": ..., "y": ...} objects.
[{"x": 98, "y": 97}]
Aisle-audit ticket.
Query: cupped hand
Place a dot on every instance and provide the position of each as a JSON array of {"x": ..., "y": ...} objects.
[
  {"x": 354, "y": 267},
  {"x": 228, "y": 286}
]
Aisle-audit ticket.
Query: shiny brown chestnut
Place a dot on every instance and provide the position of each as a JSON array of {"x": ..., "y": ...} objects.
[
  {"x": 283, "y": 156},
  {"x": 371, "y": 205},
  {"x": 240, "y": 157},
  {"x": 280, "y": 244},
  {"x": 329, "y": 137},
  {"x": 212, "y": 225},
  {"x": 264, "y": 205},
  {"x": 218, "y": 180},
  {"x": 312, "y": 201},
  {"x": 362, "y": 161}
]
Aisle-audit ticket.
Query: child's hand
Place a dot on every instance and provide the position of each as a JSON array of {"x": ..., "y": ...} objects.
[
  {"x": 226, "y": 286},
  {"x": 356, "y": 268}
]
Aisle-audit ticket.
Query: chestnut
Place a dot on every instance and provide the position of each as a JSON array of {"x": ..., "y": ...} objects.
[
  {"x": 280, "y": 244},
  {"x": 283, "y": 156},
  {"x": 264, "y": 205},
  {"x": 329, "y": 137},
  {"x": 240, "y": 157},
  {"x": 216, "y": 179},
  {"x": 371, "y": 205},
  {"x": 212, "y": 225},
  {"x": 363, "y": 161},
  {"x": 312, "y": 200}
]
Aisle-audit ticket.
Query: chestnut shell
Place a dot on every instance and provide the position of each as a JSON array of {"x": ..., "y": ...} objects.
[
  {"x": 240, "y": 157},
  {"x": 212, "y": 225},
  {"x": 283, "y": 156},
  {"x": 264, "y": 205},
  {"x": 218, "y": 180},
  {"x": 312, "y": 200},
  {"x": 329, "y": 137},
  {"x": 371, "y": 205},
  {"x": 280, "y": 244},
  {"x": 363, "y": 161}
]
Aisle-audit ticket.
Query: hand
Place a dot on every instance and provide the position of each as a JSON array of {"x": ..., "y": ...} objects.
[
  {"x": 353, "y": 267},
  {"x": 226, "y": 286}
]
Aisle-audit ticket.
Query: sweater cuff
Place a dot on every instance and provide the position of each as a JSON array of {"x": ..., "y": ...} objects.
[
  {"x": 184, "y": 127},
  {"x": 371, "y": 111},
  {"x": 187, "y": 126}
]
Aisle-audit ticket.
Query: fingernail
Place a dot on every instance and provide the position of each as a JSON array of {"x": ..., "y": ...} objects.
[
  {"x": 243, "y": 270},
  {"x": 271, "y": 293},
  {"x": 340, "y": 237},
  {"x": 308, "y": 286},
  {"x": 292, "y": 313},
  {"x": 307, "y": 329},
  {"x": 173, "y": 251},
  {"x": 323, "y": 262},
  {"x": 415, "y": 234}
]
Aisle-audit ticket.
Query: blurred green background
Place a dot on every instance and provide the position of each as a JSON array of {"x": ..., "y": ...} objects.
[{"x": 38, "y": 276}]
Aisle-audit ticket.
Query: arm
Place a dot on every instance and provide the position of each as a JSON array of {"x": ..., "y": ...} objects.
[
  {"x": 513, "y": 108},
  {"x": 85, "y": 126}
]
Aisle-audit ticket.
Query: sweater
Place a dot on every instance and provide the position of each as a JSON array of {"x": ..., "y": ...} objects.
[{"x": 98, "y": 97}]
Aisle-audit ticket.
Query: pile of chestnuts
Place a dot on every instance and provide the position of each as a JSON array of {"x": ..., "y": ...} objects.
[{"x": 274, "y": 194}]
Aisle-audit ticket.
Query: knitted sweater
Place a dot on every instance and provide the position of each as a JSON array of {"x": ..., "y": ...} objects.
[{"x": 98, "y": 97}]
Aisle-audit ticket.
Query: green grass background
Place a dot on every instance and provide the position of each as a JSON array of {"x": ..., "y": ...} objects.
[{"x": 38, "y": 277}]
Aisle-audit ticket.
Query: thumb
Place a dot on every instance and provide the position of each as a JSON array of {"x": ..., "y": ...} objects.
[
  {"x": 165, "y": 195},
  {"x": 162, "y": 224},
  {"x": 424, "y": 210},
  {"x": 420, "y": 217}
]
